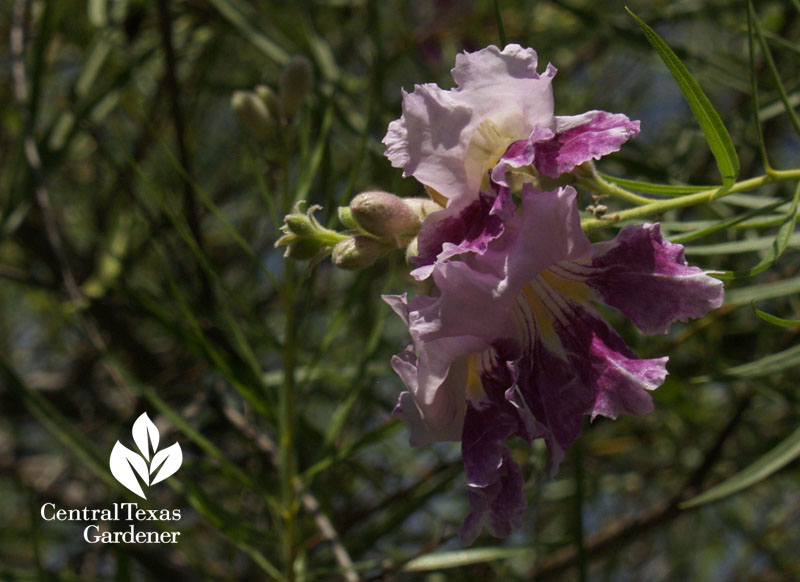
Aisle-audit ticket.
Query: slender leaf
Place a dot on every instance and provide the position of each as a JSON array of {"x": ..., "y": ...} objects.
[
  {"x": 779, "y": 321},
  {"x": 786, "y": 452},
  {"x": 459, "y": 558},
  {"x": 771, "y": 364},
  {"x": 716, "y": 134},
  {"x": 735, "y": 247},
  {"x": 650, "y": 188},
  {"x": 781, "y": 242},
  {"x": 754, "y": 88},
  {"x": 774, "y": 70},
  {"x": 763, "y": 291},
  {"x": 724, "y": 224}
]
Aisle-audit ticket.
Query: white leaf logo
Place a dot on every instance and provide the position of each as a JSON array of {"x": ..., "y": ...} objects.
[{"x": 126, "y": 464}]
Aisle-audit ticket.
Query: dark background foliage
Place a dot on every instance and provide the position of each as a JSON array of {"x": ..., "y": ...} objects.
[{"x": 137, "y": 273}]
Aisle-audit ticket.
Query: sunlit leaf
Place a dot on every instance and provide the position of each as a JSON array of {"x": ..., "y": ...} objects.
[
  {"x": 716, "y": 134},
  {"x": 458, "y": 558}
]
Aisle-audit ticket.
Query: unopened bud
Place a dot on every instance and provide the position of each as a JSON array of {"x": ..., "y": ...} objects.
[
  {"x": 295, "y": 84},
  {"x": 270, "y": 99},
  {"x": 412, "y": 250},
  {"x": 357, "y": 252},
  {"x": 253, "y": 113},
  {"x": 304, "y": 237},
  {"x": 346, "y": 218},
  {"x": 301, "y": 249},
  {"x": 386, "y": 216},
  {"x": 422, "y": 206}
]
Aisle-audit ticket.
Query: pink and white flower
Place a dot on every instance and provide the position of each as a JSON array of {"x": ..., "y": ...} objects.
[{"x": 511, "y": 342}]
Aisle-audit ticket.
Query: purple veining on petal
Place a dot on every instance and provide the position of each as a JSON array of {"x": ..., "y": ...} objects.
[
  {"x": 578, "y": 365},
  {"x": 647, "y": 278},
  {"x": 468, "y": 230},
  {"x": 580, "y": 138}
]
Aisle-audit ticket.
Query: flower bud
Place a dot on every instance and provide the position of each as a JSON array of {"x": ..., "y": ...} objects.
[
  {"x": 270, "y": 99},
  {"x": 253, "y": 113},
  {"x": 412, "y": 250},
  {"x": 422, "y": 206},
  {"x": 304, "y": 237},
  {"x": 357, "y": 252},
  {"x": 295, "y": 84},
  {"x": 386, "y": 216}
]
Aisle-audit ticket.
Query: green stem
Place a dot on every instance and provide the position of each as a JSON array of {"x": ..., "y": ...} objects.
[
  {"x": 600, "y": 186},
  {"x": 660, "y": 206},
  {"x": 287, "y": 420},
  {"x": 501, "y": 30}
]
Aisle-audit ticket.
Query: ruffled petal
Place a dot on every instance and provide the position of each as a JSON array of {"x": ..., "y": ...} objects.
[
  {"x": 580, "y": 138},
  {"x": 647, "y": 278},
  {"x": 454, "y": 231},
  {"x": 434, "y": 373},
  {"x": 494, "y": 479},
  {"x": 449, "y": 139},
  {"x": 478, "y": 293}
]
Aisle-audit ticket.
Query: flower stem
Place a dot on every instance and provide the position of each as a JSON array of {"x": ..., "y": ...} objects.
[
  {"x": 656, "y": 207},
  {"x": 600, "y": 186},
  {"x": 287, "y": 420}
]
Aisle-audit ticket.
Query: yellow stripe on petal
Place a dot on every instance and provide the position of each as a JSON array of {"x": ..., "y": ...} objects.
[{"x": 474, "y": 384}]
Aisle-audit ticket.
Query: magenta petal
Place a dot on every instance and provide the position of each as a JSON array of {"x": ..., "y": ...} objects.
[
  {"x": 647, "y": 278},
  {"x": 494, "y": 479},
  {"x": 580, "y": 138},
  {"x": 454, "y": 231},
  {"x": 577, "y": 365},
  {"x": 519, "y": 154}
]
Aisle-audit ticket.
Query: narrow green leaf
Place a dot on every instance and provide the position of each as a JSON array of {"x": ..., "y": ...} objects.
[
  {"x": 458, "y": 558},
  {"x": 724, "y": 224},
  {"x": 776, "y": 459},
  {"x": 776, "y": 320},
  {"x": 717, "y": 136},
  {"x": 771, "y": 364},
  {"x": 748, "y": 245},
  {"x": 773, "y": 70},
  {"x": 781, "y": 242},
  {"x": 650, "y": 188},
  {"x": 234, "y": 14},
  {"x": 763, "y": 291},
  {"x": 754, "y": 88}
]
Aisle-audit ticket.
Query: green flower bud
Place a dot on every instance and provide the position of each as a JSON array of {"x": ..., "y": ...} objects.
[
  {"x": 253, "y": 113},
  {"x": 304, "y": 237},
  {"x": 301, "y": 249},
  {"x": 295, "y": 84},
  {"x": 385, "y": 216},
  {"x": 346, "y": 218},
  {"x": 357, "y": 252}
]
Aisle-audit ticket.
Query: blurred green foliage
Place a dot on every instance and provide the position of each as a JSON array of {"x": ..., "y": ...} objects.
[{"x": 137, "y": 272}]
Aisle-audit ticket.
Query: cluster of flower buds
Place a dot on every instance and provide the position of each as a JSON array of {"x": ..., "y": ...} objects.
[
  {"x": 304, "y": 237},
  {"x": 377, "y": 222},
  {"x": 261, "y": 110}
]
